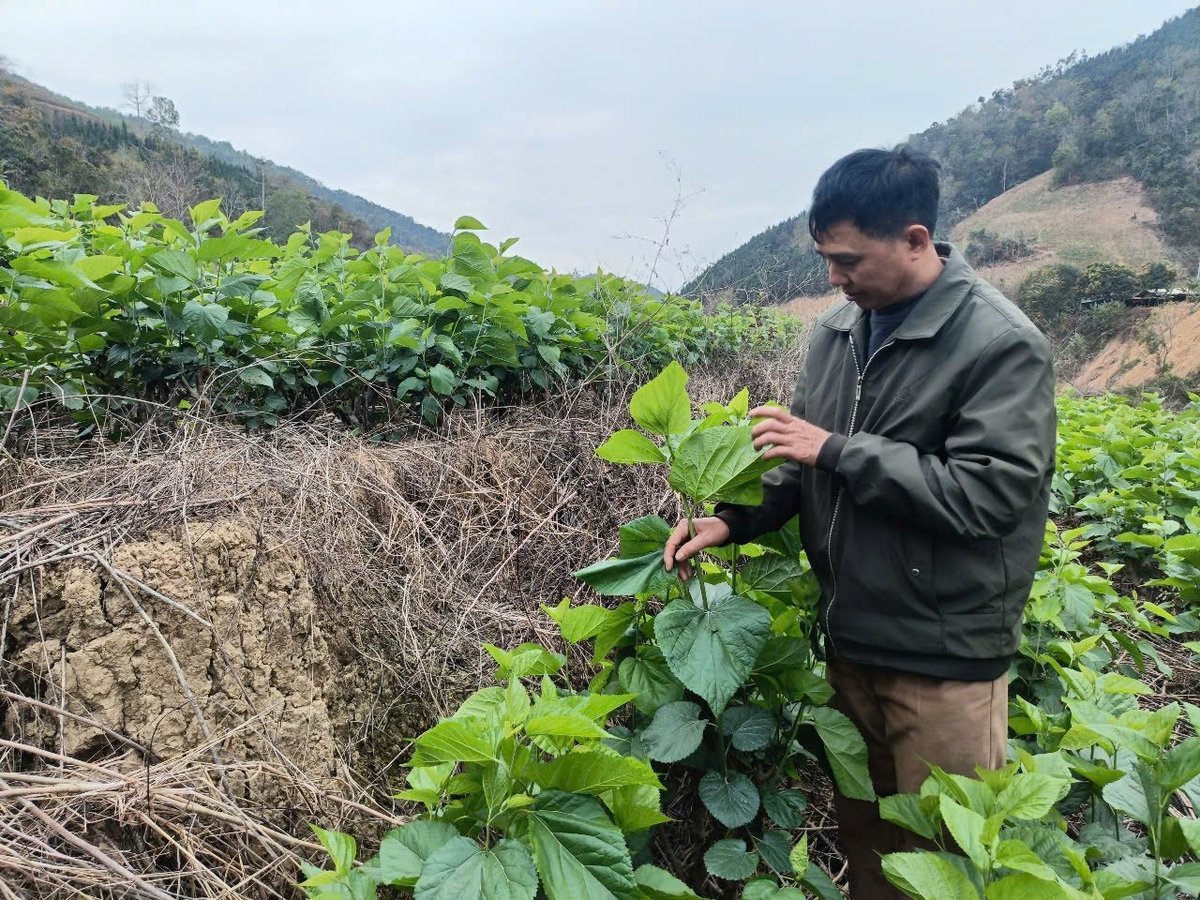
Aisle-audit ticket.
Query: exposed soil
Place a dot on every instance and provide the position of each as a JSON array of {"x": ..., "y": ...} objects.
[
  {"x": 1164, "y": 340},
  {"x": 238, "y": 660}
]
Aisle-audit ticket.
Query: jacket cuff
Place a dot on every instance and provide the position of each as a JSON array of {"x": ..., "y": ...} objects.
[
  {"x": 831, "y": 452},
  {"x": 740, "y": 529}
]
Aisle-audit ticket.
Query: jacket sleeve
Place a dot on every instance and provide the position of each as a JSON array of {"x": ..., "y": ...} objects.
[
  {"x": 998, "y": 452},
  {"x": 781, "y": 492}
]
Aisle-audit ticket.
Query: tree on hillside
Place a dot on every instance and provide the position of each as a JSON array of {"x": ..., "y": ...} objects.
[
  {"x": 162, "y": 114},
  {"x": 1047, "y": 296},
  {"x": 1107, "y": 282},
  {"x": 172, "y": 179},
  {"x": 137, "y": 96},
  {"x": 287, "y": 209}
]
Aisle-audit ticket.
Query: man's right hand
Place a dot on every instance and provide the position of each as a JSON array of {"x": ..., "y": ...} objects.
[{"x": 710, "y": 532}]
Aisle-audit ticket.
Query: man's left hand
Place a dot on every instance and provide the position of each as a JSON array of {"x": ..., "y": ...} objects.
[{"x": 791, "y": 436}]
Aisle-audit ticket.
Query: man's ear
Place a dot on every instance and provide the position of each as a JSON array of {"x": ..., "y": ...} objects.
[{"x": 917, "y": 238}]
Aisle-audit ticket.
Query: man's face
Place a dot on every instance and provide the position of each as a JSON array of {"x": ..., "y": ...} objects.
[{"x": 871, "y": 272}]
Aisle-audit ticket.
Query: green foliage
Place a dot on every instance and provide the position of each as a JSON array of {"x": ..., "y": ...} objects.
[
  {"x": 535, "y": 786},
  {"x": 986, "y": 248},
  {"x": 105, "y": 311},
  {"x": 1107, "y": 282}
]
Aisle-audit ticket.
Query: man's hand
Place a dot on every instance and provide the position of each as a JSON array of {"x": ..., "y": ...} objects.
[
  {"x": 791, "y": 436},
  {"x": 710, "y": 532}
]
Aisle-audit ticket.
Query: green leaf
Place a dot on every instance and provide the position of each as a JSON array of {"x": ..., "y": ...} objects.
[
  {"x": 176, "y": 262},
  {"x": 525, "y": 659},
  {"x": 341, "y": 847},
  {"x": 649, "y": 679},
  {"x": 636, "y": 807},
  {"x": 629, "y": 446},
  {"x": 403, "y": 851},
  {"x": 675, "y": 733},
  {"x": 771, "y": 574},
  {"x": 1031, "y": 795},
  {"x": 799, "y": 855},
  {"x": 775, "y": 849},
  {"x": 644, "y": 535},
  {"x": 907, "y": 811},
  {"x": 819, "y": 884},
  {"x": 565, "y": 724},
  {"x": 442, "y": 380},
  {"x": 713, "y": 651},
  {"x": 967, "y": 827},
  {"x": 461, "y": 868},
  {"x": 626, "y": 577},
  {"x": 204, "y": 320},
  {"x": 202, "y": 212},
  {"x": 469, "y": 223},
  {"x": 845, "y": 750},
  {"x": 729, "y": 859},
  {"x": 580, "y": 854},
  {"x": 656, "y": 884},
  {"x": 927, "y": 876},
  {"x": 1186, "y": 876},
  {"x": 454, "y": 740},
  {"x": 256, "y": 376},
  {"x": 767, "y": 889},
  {"x": 720, "y": 465},
  {"x": 785, "y": 808},
  {"x": 1180, "y": 765},
  {"x": 454, "y": 282},
  {"x": 748, "y": 728},
  {"x": 1023, "y": 886},
  {"x": 1018, "y": 856},
  {"x": 661, "y": 406},
  {"x": 595, "y": 770},
  {"x": 1136, "y": 794},
  {"x": 579, "y": 623},
  {"x": 732, "y": 799}
]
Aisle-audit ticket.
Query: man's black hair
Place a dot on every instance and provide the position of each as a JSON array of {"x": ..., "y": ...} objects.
[{"x": 880, "y": 192}]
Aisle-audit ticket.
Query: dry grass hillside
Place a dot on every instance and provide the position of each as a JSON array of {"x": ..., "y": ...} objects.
[{"x": 1078, "y": 224}]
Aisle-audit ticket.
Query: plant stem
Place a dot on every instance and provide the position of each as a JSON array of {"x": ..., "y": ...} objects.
[{"x": 692, "y": 534}]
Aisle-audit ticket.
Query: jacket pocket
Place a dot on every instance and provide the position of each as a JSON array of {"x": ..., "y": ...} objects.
[
  {"x": 885, "y": 592},
  {"x": 971, "y": 583}
]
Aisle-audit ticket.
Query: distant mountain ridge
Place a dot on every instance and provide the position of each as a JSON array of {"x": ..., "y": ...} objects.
[
  {"x": 406, "y": 231},
  {"x": 1131, "y": 111},
  {"x": 85, "y": 138}
]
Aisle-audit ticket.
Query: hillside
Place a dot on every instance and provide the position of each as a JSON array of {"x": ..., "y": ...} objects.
[
  {"x": 1079, "y": 224},
  {"x": 1133, "y": 111},
  {"x": 52, "y": 145}
]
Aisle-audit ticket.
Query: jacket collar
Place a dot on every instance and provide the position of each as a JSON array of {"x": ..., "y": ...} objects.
[{"x": 927, "y": 317}]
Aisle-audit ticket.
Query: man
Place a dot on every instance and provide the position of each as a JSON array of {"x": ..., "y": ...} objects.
[{"x": 919, "y": 453}]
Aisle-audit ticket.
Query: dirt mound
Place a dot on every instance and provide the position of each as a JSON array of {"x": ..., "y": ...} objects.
[{"x": 172, "y": 644}]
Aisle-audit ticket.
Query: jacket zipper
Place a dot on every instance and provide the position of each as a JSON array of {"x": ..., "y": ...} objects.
[{"x": 861, "y": 373}]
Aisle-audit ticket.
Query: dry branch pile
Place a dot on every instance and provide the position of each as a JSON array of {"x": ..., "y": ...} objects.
[{"x": 210, "y": 640}]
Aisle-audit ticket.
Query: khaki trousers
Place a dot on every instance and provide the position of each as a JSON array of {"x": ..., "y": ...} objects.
[{"x": 909, "y": 721}]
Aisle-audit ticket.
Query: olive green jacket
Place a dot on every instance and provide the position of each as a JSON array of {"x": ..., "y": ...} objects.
[{"x": 925, "y": 515}]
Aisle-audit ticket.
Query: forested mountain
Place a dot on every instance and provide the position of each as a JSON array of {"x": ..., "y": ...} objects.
[
  {"x": 53, "y": 146},
  {"x": 1133, "y": 110}
]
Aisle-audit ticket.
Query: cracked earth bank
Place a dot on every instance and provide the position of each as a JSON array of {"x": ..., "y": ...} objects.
[{"x": 235, "y": 665}]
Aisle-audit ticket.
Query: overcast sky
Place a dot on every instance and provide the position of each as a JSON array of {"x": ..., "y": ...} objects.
[{"x": 572, "y": 124}]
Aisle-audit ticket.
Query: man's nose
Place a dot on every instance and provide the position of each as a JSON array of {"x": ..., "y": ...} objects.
[{"x": 837, "y": 277}]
